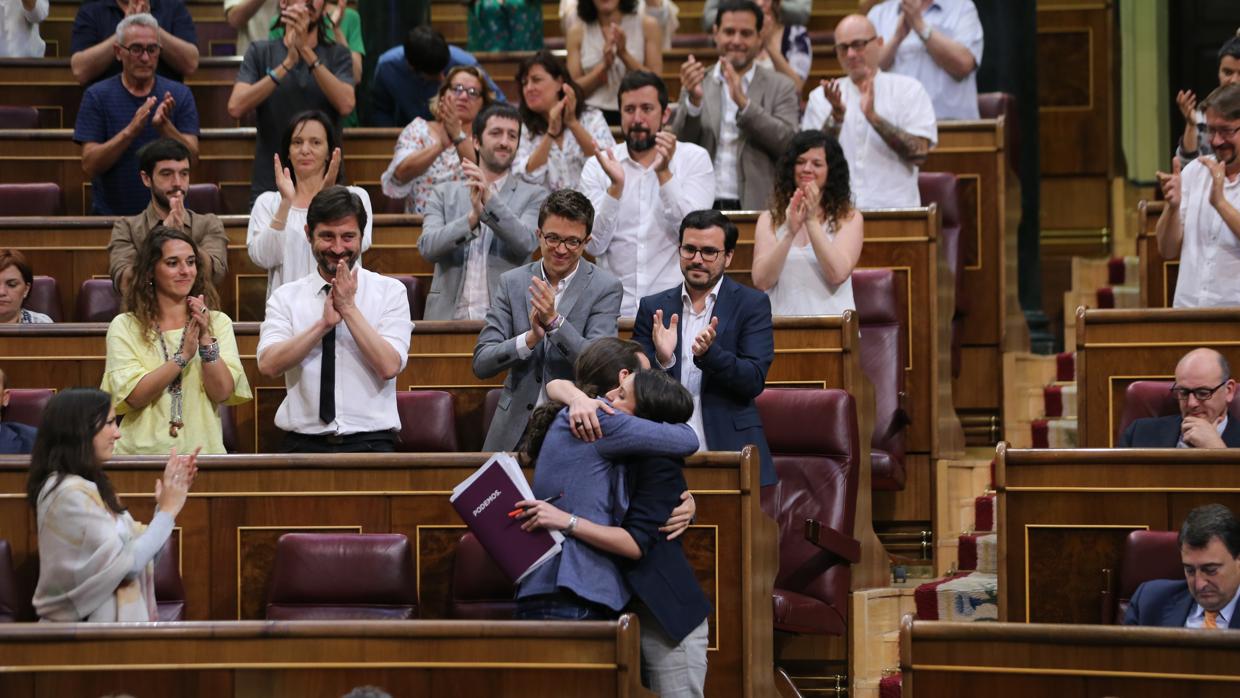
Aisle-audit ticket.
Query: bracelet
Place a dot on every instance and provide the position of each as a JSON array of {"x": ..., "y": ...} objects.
[
  {"x": 572, "y": 526},
  {"x": 315, "y": 64},
  {"x": 271, "y": 73},
  {"x": 209, "y": 353},
  {"x": 554, "y": 324},
  {"x": 180, "y": 361},
  {"x": 556, "y": 135}
]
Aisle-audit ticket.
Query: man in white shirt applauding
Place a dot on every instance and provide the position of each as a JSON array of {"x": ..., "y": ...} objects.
[
  {"x": 340, "y": 336},
  {"x": 939, "y": 44},
  {"x": 884, "y": 122},
  {"x": 642, "y": 190},
  {"x": 1201, "y": 221}
]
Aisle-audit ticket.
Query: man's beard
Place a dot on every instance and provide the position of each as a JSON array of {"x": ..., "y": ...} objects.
[
  {"x": 163, "y": 200},
  {"x": 328, "y": 268},
  {"x": 491, "y": 159},
  {"x": 639, "y": 139}
]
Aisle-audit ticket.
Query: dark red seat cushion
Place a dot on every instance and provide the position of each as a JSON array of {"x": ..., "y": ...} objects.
[
  {"x": 97, "y": 301},
  {"x": 26, "y": 405},
  {"x": 480, "y": 589},
  {"x": 44, "y": 298},
  {"x": 30, "y": 199},
  {"x": 427, "y": 421},
  {"x": 1147, "y": 555},
  {"x": 342, "y": 576}
]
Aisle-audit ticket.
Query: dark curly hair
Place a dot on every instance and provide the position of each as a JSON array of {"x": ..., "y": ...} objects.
[
  {"x": 534, "y": 122},
  {"x": 588, "y": 13},
  {"x": 836, "y": 200}
]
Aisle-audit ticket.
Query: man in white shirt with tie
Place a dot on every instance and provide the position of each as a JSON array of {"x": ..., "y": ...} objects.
[
  {"x": 1209, "y": 543},
  {"x": 743, "y": 114},
  {"x": 340, "y": 336},
  {"x": 641, "y": 190}
]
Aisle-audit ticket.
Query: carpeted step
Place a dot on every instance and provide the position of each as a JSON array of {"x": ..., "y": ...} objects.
[
  {"x": 984, "y": 513},
  {"x": 966, "y": 597},
  {"x": 1059, "y": 400},
  {"x": 891, "y": 686},
  {"x": 1053, "y": 433},
  {"x": 1065, "y": 366},
  {"x": 925, "y": 598},
  {"x": 1124, "y": 271},
  {"x": 1118, "y": 297},
  {"x": 979, "y": 553}
]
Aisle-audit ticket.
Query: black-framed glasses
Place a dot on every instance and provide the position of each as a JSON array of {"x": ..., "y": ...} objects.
[
  {"x": 136, "y": 50},
  {"x": 461, "y": 91},
  {"x": 709, "y": 254},
  {"x": 570, "y": 244},
  {"x": 858, "y": 45},
  {"x": 1225, "y": 132},
  {"x": 1202, "y": 394}
]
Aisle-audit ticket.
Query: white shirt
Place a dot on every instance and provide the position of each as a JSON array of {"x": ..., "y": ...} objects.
[
  {"x": 635, "y": 237},
  {"x": 562, "y": 170},
  {"x": 258, "y": 27},
  {"x": 1210, "y": 252},
  {"x": 364, "y": 401},
  {"x": 954, "y": 19},
  {"x": 691, "y": 325},
  {"x": 475, "y": 296},
  {"x": 880, "y": 178},
  {"x": 523, "y": 349},
  {"x": 727, "y": 150},
  {"x": 1197, "y": 616},
  {"x": 19, "y": 29},
  {"x": 286, "y": 254}
]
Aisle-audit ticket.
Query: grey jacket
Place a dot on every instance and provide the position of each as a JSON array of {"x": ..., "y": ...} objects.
[
  {"x": 590, "y": 307},
  {"x": 766, "y": 126},
  {"x": 508, "y": 222}
]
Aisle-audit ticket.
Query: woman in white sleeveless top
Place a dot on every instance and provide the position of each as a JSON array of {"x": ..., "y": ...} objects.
[
  {"x": 807, "y": 244},
  {"x": 611, "y": 40}
]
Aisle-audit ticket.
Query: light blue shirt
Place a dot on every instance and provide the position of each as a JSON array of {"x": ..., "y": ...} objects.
[
  {"x": 1197, "y": 617},
  {"x": 955, "y": 19}
]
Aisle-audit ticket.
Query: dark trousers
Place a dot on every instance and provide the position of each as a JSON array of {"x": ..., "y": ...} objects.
[
  {"x": 727, "y": 205},
  {"x": 563, "y": 605},
  {"x": 362, "y": 442}
]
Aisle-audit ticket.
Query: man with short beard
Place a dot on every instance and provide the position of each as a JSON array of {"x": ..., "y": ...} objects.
[
  {"x": 476, "y": 232},
  {"x": 642, "y": 190},
  {"x": 164, "y": 168},
  {"x": 1201, "y": 221}
]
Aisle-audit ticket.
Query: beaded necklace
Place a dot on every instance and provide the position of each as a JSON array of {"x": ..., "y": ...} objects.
[{"x": 175, "y": 420}]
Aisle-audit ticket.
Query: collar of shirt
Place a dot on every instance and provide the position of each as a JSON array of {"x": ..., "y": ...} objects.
[
  {"x": 498, "y": 185},
  {"x": 563, "y": 283},
  {"x": 711, "y": 297},
  {"x": 1198, "y": 615},
  {"x": 747, "y": 78}
]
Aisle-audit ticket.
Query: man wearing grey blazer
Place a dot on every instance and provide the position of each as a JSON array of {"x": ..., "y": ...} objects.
[
  {"x": 475, "y": 231},
  {"x": 743, "y": 114},
  {"x": 543, "y": 315}
]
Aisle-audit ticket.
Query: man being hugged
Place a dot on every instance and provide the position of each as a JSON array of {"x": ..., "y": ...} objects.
[{"x": 341, "y": 328}]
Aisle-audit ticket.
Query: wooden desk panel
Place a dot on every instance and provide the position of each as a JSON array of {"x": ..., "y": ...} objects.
[
  {"x": 241, "y": 504},
  {"x": 252, "y": 659},
  {"x": 1117, "y": 347},
  {"x": 1006, "y": 659},
  {"x": 1157, "y": 275},
  {"x": 1064, "y": 515}
]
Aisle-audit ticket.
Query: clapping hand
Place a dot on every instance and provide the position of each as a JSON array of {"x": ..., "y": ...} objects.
[
  {"x": 337, "y": 14},
  {"x": 691, "y": 75},
  {"x": 705, "y": 338},
  {"x": 135, "y": 7},
  {"x": 1170, "y": 183},
  {"x": 795, "y": 213},
  {"x": 611, "y": 167},
  {"x": 831, "y": 90},
  {"x": 736, "y": 86},
  {"x": 542, "y": 300},
  {"x": 163, "y": 113},
  {"x": 866, "y": 88},
  {"x": 665, "y": 337},
  {"x": 445, "y": 114},
  {"x": 665, "y": 150},
  {"x": 284, "y": 180},
  {"x": 1218, "y": 178},
  {"x": 200, "y": 319},
  {"x": 1186, "y": 100},
  {"x": 138, "y": 123},
  {"x": 344, "y": 287},
  {"x": 177, "y": 217},
  {"x": 173, "y": 488}
]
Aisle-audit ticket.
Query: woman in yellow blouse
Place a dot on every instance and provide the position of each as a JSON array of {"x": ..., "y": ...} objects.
[{"x": 171, "y": 360}]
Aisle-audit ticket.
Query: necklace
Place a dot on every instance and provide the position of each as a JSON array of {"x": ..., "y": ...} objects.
[{"x": 175, "y": 420}]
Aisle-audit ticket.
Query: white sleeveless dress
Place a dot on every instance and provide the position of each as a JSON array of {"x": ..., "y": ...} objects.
[
  {"x": 606, "y": 96},
  {"x": 803, "y": 288}
]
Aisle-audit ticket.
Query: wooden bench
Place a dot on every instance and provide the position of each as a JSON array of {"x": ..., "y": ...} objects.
[
  {"x": 1008, "y": 659},
  {"x": 241, "y": 504},
  {"x": 1157, "y": 275},
  {"x": 1117, "y": 347},
  {"x": 1065, "y": 515}
]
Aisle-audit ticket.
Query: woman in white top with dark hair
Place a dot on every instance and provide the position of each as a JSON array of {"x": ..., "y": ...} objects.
[
  {"x": 611, "y": 39},
  {"x": 807, "y": 245},
  {"x": 309, "y": 161}
]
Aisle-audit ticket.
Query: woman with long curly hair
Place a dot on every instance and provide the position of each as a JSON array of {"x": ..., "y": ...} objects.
[
  {"x": 95, "y": 561},
  {"x": 171, "y": 360},
  {"x": 807, "y": 245}
]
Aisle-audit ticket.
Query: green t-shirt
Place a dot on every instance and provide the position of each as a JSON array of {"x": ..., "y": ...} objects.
[{"x": 351, "y": 26}]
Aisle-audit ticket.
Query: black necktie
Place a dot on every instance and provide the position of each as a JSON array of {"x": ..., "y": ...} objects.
[{"x": 327, "y": 375}]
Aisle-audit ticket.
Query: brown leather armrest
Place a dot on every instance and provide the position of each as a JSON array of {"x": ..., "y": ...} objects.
[{"x": 832, "y": 540}]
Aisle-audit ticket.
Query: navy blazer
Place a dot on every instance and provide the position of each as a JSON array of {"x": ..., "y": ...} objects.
[
  {"x": 1164, "y": 603},
  {"x": 733, "y": 369},
  {"x": 1164, "y": 432},
  {"x": 662, "y": 578}
]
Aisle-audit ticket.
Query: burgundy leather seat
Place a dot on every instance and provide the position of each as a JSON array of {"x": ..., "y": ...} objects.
[
  {"x": 480, "y": 589},
  {"x": 205, "y": 198},
  {"x": 427, "y": 421},
  {"x": 44, "y": 298},
  {"x": 26, "y": 405},
  {"x": 883, "y": 338},
  {"x": 817, "y": 452},
  {"x": 342, "y": 576},
  {"x": 97, "y": 301},
  {"x": 30, "y": 199},
  {"x": 19, "y": 117},
  {"x": 1154, "y": 399},
  {"x": 169, "y": 591},
  {"x": 940, "y": 188},
  {"x": 417, "y": 295},
  {"x": 992, "y": 105},
  {"x": 1147, "y": 555},
  {"x": 13, "y": 604}
]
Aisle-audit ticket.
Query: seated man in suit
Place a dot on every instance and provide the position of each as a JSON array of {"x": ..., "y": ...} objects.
[
  {"x": 476, "y": 231},
  {"x": 1210, "y": 550},
  {"x": 1204, "y": 388},
  {"x": 543, "y": 314},
  {"x": 14, "y": 437},
  {"x": 718, "y": 340}
]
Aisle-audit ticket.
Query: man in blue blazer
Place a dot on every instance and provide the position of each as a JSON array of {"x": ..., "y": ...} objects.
[
  {"x": 1204, "y": 389},
  {"x": 728, "y": 343},
  {"x": 1206, "y": 598}
]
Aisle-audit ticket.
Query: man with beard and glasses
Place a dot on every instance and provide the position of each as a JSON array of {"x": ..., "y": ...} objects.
[
  {"x": 1201, "y": 221},
  {"x": 164, "y": 170},
  {"x": 715, "y": 336},
  {"x": 742, "y": 113},
  {"x": 642, "y": 190},
  {"x": 339, "y": 336},
  {"x": 475, "y": 233}
]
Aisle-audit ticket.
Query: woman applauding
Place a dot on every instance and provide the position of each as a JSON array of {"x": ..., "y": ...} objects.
[
  {"x": 807, "y": 244},
  {"x": 171, "y": 360},
  {"x": 95, "y": 561}
]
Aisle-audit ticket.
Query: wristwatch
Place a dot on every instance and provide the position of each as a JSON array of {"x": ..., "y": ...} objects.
[
  {"x": 459, "y": 138},
  {"x": 925, "y": 36},
  {"x": 571, "y": 527}
]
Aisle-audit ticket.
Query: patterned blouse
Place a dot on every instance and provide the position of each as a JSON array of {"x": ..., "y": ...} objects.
[
  {"x": 565, "y": 161},
  {"x": 446, "y": 168},
  {"x": 32, "y": 317}
]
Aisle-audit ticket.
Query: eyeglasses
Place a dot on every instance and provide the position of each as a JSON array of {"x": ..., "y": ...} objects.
[
  {"x": 1202, "y": 394},
  {"x": 709, "y": 254},
  {"x": 858, "y": 45},
  {"x": 1212, "y": 131},
  {"x": 461, "y": 91},
  {"x": 136, "y": 50},
  {"x": 555, "y": 241}
]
